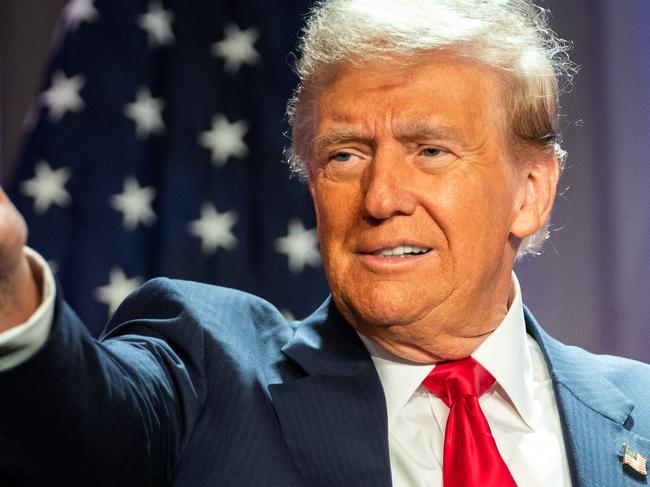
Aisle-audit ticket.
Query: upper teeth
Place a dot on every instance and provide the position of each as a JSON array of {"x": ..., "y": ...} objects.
[{"x": 401, "y": 250}]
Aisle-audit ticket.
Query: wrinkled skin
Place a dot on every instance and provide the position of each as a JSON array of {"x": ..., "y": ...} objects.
[{"x": 420, "y": 155}]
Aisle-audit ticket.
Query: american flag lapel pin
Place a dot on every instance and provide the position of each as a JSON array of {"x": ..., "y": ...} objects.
[{"x": 634, "y": 460}]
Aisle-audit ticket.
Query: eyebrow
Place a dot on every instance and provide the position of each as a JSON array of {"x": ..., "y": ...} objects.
[
  {"x": 339, "y": 136},
  {"x": 410, "y": 130},
  {"x": 421, "y": 129}
]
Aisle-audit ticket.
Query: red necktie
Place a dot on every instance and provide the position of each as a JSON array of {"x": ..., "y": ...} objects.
[{"x": 470, "y": 457}]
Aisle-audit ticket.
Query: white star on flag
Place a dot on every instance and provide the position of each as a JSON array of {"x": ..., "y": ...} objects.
[
  {"x": 300, "y": 246},
  {"x": 135, "y": 204},
  {"x": 214, "y": 229},
  {"x": 145, "y": 111},
  {"x": 157, "y": 23},
  {"x": 47, "y": 187},
  {"x": 118, "y": 288},
  {"x": 237, "y": 47},
  {"x": 224, "y": 139},
  {"x": 78, "y": 11},
  {"x": 63, "y": 95}
]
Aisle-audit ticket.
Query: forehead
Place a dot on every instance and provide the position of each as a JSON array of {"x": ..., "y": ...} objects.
[{"x": 443, "y": 89}]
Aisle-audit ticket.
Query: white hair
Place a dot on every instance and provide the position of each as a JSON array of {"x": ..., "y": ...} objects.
[{"x": 510, "y": 35}]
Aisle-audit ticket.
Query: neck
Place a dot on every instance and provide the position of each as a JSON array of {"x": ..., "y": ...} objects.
[{"x": 447, "y": 333}]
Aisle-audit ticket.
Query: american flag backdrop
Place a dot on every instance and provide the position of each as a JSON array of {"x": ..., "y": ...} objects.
[{"x": 155, "y": 149}]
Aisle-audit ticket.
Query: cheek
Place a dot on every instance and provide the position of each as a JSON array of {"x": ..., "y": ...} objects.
[
  {"x": 334, "y": 215},
  {"x": 474, "y": 211}
]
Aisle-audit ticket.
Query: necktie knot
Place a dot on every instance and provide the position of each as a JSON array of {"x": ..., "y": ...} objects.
[{"x": 458, "y": 378}]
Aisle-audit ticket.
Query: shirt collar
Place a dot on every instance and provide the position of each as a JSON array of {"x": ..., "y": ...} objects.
[
  {"x": 507, "y": 345},
  {"x": 399, "y": 378},
  {"x": 505, "y": 354}
]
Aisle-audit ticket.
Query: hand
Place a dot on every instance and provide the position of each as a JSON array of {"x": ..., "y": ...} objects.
[{"x": 19, "y": 292}]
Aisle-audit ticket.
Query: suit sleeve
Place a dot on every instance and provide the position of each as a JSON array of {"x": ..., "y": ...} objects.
[{"x": 117, "y": 411}]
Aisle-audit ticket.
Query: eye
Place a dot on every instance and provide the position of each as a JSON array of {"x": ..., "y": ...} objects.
[
  {"x": 434, "y": 158},
  {"x": 341, "y": 165},
  {"x": 431, "y": 152},
  {"x": 342, "y": 156}
]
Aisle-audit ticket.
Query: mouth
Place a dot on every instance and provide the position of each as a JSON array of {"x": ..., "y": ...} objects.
[
  {"x": 390, "y": 257},
  {"x": 401, "y": 251}
]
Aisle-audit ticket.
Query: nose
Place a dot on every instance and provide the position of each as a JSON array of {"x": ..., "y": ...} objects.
[{"x": 387, "y": 191}]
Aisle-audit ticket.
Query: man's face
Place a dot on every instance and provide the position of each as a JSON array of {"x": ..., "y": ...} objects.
[{"x": 416, "y": 194}]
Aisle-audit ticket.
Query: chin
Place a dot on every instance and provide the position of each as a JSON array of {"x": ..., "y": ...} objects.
[{"x": 383, "y": 306}]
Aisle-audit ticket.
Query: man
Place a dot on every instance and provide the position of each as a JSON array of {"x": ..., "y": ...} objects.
[{"x": 427, "y": 134}]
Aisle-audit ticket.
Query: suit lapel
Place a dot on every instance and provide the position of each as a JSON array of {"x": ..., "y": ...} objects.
[
  {"x": 334, "y": 419},
  {"x": 594, "y": 414}
]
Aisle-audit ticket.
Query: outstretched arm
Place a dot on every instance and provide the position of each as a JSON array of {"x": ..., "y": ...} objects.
[{"x": 82, "y": 412}]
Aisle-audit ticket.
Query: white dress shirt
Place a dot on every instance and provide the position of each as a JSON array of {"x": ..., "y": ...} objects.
[{"x": 520, "y": 409}]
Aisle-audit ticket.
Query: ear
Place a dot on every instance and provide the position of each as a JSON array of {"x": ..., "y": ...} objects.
[{"x": 537, "y": 195}]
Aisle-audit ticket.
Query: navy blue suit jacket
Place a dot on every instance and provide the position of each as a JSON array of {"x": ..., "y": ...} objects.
[{"x": 194, "y": 385}]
